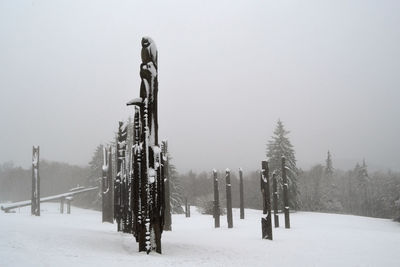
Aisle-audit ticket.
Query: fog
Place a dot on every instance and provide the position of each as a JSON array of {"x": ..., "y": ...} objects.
[{"x": 228, "y": 70}]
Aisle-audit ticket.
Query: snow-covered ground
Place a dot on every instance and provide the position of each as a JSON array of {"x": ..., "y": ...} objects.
[{"x": 80, "y": 239}]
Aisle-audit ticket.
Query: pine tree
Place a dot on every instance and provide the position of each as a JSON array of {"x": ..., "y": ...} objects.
[
  {"x": 95, "y": 166},
  {"x": 329, "y": 166},
  {"x": 280, "y": 146},
  {"x": 330, "y": 200},
  {"x": 176, "y": 190},
  {"x": 363, "y": 181},
  {"x": 94, "y": 198}
]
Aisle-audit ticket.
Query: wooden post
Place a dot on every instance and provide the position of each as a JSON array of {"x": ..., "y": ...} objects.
[
  {"x": 68, "y": 199},
  {"x": 228, "y": 198},
  {"x": 216, "y": 200},
  {"x": 266, "y": 224},
  {"x": 62, "y": 205},
  {"x": 241, "y": 194},
  {"x": 186, "y": 208},
  {"x": 275, "y": 197},
  {"x": 35, "y": 200},
  {"x": 285, "y": 194},
  {"x": 106, "y": 187},
  {"x": 168, "y": 219}
]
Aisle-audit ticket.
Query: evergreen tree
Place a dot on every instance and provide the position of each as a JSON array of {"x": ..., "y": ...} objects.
[
  {"x": 94, "y": 179},
  {"x": 329, "y": 166},
  {"x": 175, "y": 189},
  {"x": 280, "y": 146},
  {"x": 96, "y": 165}
]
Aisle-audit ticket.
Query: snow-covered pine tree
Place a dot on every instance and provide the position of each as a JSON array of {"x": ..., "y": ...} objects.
[
  {"x": 363, "y": 181},
  {"x": 94, "y": 179},
  {"x": 329, "y": 166},
  {"x": 279, "y": 146},
  {"x": 175, "y": 188},
  {"x": 326, "y": 185}
]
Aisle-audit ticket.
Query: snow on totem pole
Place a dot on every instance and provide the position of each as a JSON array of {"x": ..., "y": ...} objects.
[
  {"x": 149, "y": 203},
  {"x": 266, "y": 223},
  {"x": 120, "y": 178},
  {"x": 285, "y": 193},
  {"x": 35, "y": 202},
  {"x": 167, "y": 213},
  {"x": 275, "y": 198},
  {"x": 228, "y": 198},
  {"x": 106, "y": 187},
  {"x": 241, "y": 192},
  {"x": 216, "y": 200}
]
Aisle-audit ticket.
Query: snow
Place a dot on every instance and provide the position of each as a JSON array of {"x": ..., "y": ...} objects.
[{"x": 80, "y": 239}]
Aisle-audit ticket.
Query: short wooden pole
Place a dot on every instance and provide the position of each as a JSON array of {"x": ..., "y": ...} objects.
[
  {"x": 216, "y": 200},
  {"x": 62, "y": 205},
  {"x": 285, "y": 194},
  {"x": 241, "y": 194},
  {"x": 228, "y": 198},
  {"x": 275, "y": 198}
]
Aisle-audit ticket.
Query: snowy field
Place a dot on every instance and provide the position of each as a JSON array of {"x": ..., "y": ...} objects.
[{"x": 80, "y": 239}]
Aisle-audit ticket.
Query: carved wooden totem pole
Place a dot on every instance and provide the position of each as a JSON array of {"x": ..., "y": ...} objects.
[
  {"x": 120, "y": 179},
  {"x": 266, "y": 223},
  {"x": 106, "y": 186},
  {"x": 275, "y": 198},
  {"x": 285, "y": 193},
  {"x": 216, "y": 200},
  {"x": 228, "y": 198},
  {"x": 35, "y": 204},
  {"x": 241, "y": 191},
  {"x": 167, "y": 214},
  {"x": 148, "y": 203}
]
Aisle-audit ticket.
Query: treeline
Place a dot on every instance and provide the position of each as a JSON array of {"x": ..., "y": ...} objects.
[
  {"x": 198, "y": 189},
  {"x": 355, "y": 192},
  {"x": 55, "y": 178},
  {"x": 351, "y": 192},
  {"x": 320, "y": 188}
]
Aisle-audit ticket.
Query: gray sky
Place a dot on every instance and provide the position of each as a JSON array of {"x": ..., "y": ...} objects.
[{"x": 227, "y": 71}]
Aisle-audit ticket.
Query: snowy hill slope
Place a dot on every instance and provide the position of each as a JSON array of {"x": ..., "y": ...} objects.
[{"x": 80, "y": 239}]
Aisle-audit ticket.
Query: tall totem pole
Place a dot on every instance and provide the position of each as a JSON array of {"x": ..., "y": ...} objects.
[
  {"x": 266, "y": 224},
  {"x": 148, "y": 203},
  {"x": 120, "y": 179}
]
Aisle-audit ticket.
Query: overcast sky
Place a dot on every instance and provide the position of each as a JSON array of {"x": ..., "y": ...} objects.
[{"x": 228, "y": 70}]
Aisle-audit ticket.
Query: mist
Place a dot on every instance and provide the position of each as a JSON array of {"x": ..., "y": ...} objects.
[{"x": 228, "y": 70}]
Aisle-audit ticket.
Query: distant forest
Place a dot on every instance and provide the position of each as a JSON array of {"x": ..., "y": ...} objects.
[
  {"x": 356, "y": 191},
  {"x": 349, "y": 192},
  {"x": 55, "y": 178}
]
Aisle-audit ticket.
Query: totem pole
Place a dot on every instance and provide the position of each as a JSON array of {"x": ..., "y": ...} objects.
[
  {"x": 35, "y": 202},
  {"x": 228, "y": 198},
  {"x": 241, "y": 194},
  {"x": 168, "y": 221},
  {"x": 136, "y": 178},
  {"x": 266, "y": 224},
  {"x": 275, "y": 198},
  {"x": 119, "y": 179},
  {"x": 106, "y": 185},
  {"x": 149, "y": 169},
  {"x": 285, "y": 194},
  {"x": 216, "y": 200}
]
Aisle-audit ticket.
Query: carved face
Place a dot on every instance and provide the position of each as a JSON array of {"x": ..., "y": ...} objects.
[{"x": 149, "y": 51}]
